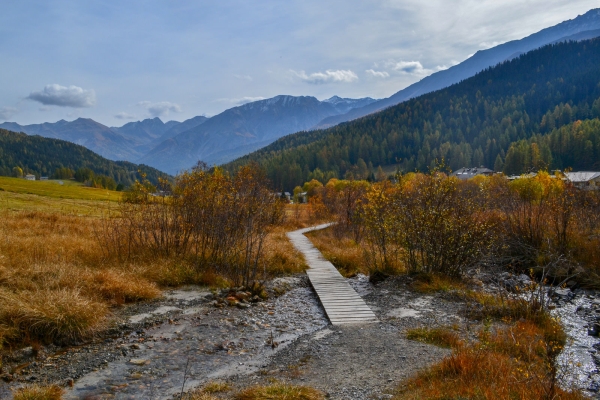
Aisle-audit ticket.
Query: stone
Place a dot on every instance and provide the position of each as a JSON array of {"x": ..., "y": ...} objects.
[
  {"x": 563, "y": 293},
  {"x": 139, "y": 361}
]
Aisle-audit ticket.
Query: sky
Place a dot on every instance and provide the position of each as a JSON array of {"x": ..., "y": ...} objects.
[{"x": 122, "y": 61}]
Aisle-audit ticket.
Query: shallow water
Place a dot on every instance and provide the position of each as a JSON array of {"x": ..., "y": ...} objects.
[{"x": 576, "y": 363}]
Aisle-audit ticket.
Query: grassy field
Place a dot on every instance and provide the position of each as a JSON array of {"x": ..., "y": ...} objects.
[
  {"x": 50, "y": 196},
  {"x": 64, "y": 189},
  {"x": 56, "y": 282}
]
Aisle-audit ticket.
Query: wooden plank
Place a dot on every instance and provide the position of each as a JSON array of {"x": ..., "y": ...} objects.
[{"x": 341, "y": 302}]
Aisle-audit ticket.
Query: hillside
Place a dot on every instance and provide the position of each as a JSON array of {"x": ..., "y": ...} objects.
[
  {"x": 583, "y": 27},
  {"x": 468, "y": 124},
  {"x": 240, "y": 130},
  {"x": 42, "y": 156}
]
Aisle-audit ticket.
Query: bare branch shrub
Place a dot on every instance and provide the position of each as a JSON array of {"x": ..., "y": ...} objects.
[{"x": 218, "y": 221}]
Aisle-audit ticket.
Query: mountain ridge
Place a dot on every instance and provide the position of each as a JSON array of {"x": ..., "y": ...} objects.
[{"x": 566, "y": 30}]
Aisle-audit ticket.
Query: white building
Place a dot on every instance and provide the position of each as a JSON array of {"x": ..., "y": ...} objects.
[{"x": 584, "y": 179}]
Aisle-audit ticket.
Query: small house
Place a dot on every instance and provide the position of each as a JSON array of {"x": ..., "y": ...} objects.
[
  {"x": 467, "y": 173},
  {"x": 43, "y": 178},
  {"x": 30, "y": 177},
  {"x": 584, "y": 180}
]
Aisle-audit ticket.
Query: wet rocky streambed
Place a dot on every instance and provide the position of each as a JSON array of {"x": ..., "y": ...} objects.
[{"x": 186, "y": 339}]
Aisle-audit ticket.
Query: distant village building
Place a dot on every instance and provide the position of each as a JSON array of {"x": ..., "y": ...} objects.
[
  {"x": 284, "y": 195},
  {"x": 584, "y": 180},
  {"x": 302, "y": 197},
  {"x": 30, "y": 177},
  {"x": 43, "y": 178},
  {"x": 467, "y": 173}
]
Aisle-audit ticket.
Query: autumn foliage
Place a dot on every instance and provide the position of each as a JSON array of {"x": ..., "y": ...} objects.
[{"x": 217, "y": 221}]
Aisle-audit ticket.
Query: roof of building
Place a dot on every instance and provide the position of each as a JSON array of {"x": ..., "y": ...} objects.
[
  {"x": 583, "y": 176},
  {"x": 466, "y": 173}
]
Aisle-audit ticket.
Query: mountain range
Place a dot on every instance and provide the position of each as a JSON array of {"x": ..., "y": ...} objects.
[{"x": 175, "y": 146}]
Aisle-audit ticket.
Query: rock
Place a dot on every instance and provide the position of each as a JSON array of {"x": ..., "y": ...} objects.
[
  {"x": 571, "y": 284},
  {"x": 524, "y": 278},
  {"x": 139, "y": 361},
  {"x": 242, "y": 305},
  {"x": 232, "y": 301},
  {"x": 594, "y": 330},
  {"x": 562, "y": 293},
  {"x": 242, "y": 296}
]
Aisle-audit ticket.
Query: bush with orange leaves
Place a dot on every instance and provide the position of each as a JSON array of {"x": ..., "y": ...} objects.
[{"x": 216, "y": 221}]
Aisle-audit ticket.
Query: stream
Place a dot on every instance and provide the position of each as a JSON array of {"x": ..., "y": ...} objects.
[{"x": 578, "y": 361}]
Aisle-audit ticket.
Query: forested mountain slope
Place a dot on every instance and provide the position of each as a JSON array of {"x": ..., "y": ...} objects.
[
  {"x": 471, "y": 123},
  {"x": 583, "y": 27},
  {"x": 43, "y": 156}
]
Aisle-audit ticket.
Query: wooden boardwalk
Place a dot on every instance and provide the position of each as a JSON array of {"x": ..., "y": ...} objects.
[{"x": 341, "y": 302}]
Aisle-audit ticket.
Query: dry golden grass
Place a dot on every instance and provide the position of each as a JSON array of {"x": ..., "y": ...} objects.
[
  {"x": 510, "y": 362},
  {"x": 441, "y": 336},
  {"x": 430, "y": 283},
  {"x": 344, "y": 253},
  {"x": 199, "y": 395},
  {"x": 57, "y": 285},
  {"x": 216, "y": 387},
  {"x": 280, "y": 391},
  {"x": 298, "y": 216},
  {"x": 39, "y": 393},
  {"x": 281, "y": 257}
]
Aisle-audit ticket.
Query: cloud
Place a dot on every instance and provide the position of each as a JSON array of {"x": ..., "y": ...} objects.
[
  {"x": 340, "y": 75},
  {"x": 160, "y": 109},
  {"x": 378, "y": 74},
  {"x": 243, "y": 77},
  {"x": 7, "y": 112},
  {"x": 124, "y": 115},
  {"x": 239, "y": 101},
  {"x": 62, "y": 96},
  {"x": 413, "y": 68}
]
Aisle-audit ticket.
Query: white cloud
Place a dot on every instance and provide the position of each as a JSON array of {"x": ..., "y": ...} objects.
[
  {"x": 239, "y": 101},
  {"x": 340, "y": 75},
  {"x": 7, "y": 112},
  {"x": 377, "y": 74},
  {"x": 124, "y": 115},
  {"x": 63, "y": 96},
  {"x": 243, "y": 77},
  {"x": 160, "y": 109},
  {"x": 413, "y": 68}
]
